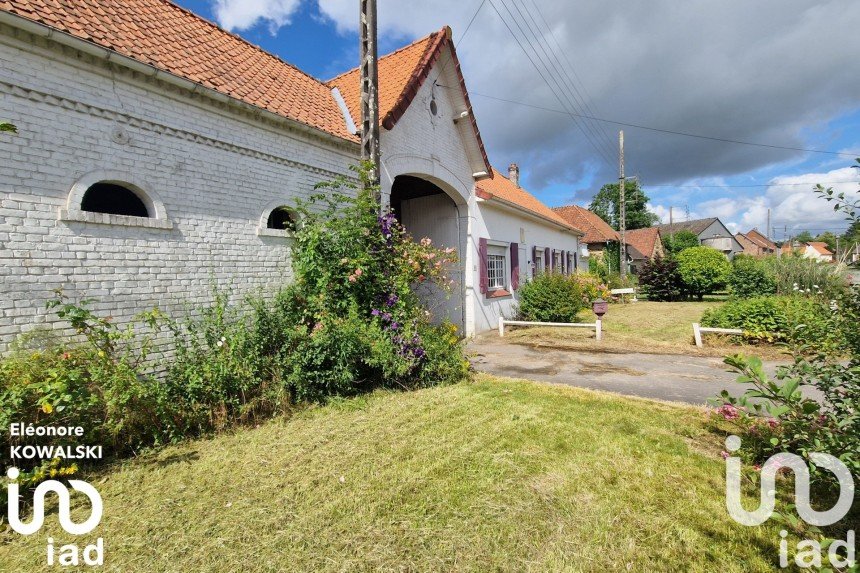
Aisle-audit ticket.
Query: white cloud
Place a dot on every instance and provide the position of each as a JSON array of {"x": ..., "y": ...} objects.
[
  {"x": 714, "y": 68},
  {"x": 244, "y": 14},
  {"x": 795, "y": 205}
]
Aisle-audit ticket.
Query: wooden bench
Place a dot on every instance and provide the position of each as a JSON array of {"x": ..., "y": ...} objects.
[{"x": 622, "y": 291}]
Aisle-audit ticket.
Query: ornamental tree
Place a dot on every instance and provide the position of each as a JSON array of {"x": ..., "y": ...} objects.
[{"x": 703, "y": 270}]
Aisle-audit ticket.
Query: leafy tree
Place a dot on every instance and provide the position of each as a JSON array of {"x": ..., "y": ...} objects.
[
  {"x": 703, "y": 270},
  {"x": 674, "y": 243},
  {"x": 660, "y": 279},
  {"x": 751, "y": 277},
  {"x": 803, "y": 237},
  {"x": 607, "y": 206},
  {"x": 829, "y": 239},
  {"x": 852, "y": 234}
]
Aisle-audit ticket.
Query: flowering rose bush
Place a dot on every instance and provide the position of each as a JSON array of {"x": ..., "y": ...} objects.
[
  {"x": 828, "y": 363},
  {"x": 357, "y": 320}
]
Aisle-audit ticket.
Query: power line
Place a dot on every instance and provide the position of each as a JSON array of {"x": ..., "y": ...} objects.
[
  {"x": 543, "y": 76},
  {"x": 466, "y": 31},
  {"x": 659, "y": 130},
  {"x": 752, "y": 185},
  {"x": 559, "y": 70},
  {"x": 609, "y": 138}
]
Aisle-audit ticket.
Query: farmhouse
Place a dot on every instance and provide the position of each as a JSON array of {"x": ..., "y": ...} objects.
[
  {"x": 598, "y": 234},
  {"x": 642, "y": 246},
  {"x": 711, "y": 233},
  {"x": 158, "y": 156}
]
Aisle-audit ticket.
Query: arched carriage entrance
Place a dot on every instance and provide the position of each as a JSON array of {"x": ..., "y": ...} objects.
[{"x": 426, "y": 210}]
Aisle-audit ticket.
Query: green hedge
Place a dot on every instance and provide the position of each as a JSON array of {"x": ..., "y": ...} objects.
[
  {"x": 554, "y": 297},
  {"x": 775, "y": 318}
]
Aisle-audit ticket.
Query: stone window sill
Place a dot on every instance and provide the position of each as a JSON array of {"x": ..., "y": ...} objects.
[
  {"x": 282, "y": 233},
  {"x": 119, "y": 220}
]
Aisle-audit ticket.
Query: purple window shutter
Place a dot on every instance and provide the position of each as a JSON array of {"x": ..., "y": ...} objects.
[
  {"x": 564, "y": 262},
  {"x": 575, "y": 262},
  {"x": 547, "y": 259},
  {"x": 482, "y": 264},
  {"x": 515, "y": 266}
]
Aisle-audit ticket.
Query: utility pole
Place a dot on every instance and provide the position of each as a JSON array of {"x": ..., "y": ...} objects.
[
  {"x": 671, "y": 228},
  {"x": 767, "y": 229},
  {"x": 622, "y": 208},
  {"x": 369, "y": 88}
]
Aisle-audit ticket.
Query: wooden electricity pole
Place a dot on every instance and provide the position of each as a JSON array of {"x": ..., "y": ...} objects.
[
  {"x": 369, "y": 88},
  {"x": 622, "y": 208}
]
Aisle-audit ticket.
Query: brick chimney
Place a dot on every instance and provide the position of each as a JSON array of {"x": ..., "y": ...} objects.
[{"x": 514, "y": 173}]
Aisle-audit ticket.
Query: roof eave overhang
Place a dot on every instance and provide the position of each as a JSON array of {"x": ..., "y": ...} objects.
[
  {"x": 95, "y": 50},
  {"x": 420, "y": 75},
  {"x": 489, "y": 198}
]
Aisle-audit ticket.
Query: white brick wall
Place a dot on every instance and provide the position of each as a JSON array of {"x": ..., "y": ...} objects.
[{"x": 214, "y": 170}]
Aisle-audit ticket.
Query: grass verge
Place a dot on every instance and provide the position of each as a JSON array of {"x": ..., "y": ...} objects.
[
  {"x": 643, "y": 326},
  {"x": 492, "y": 475}
]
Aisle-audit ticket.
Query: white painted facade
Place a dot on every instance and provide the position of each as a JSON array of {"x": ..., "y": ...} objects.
[
  {"x": 436, "y": 148},
  {"x": 810, "y": 252},
  {"x": 212, "y": 169},
  {"x": 209, "y": 170}
]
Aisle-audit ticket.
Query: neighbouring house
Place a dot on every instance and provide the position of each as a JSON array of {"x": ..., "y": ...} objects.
[
  {"x": 711, "y": 233},
  {"x": 817, "y": 250},
  {"x": 158, "y": 156},
  {"x": 756, "y": 244},
  {"x": 642, "y": 246},
  {"x": 598, "y": 234}
]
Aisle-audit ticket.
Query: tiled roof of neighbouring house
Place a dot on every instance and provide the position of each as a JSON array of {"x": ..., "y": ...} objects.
[
  {"x": 643, "y": 240},
  {"x": 756, "y": 237},
  {"x": 175, "y": 40},
  {"x": 401, "y": 75},
  {"x": 503, "y": 188},
  {"x": 596, "y": 229},
  {"x": 821, "y": 247},
  {"x": 696, "y": 226}
]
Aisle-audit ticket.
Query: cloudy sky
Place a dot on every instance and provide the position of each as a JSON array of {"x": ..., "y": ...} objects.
[{"x": 784, "y": 73}]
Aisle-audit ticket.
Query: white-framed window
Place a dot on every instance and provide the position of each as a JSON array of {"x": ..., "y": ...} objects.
[
  {"x": 538, "y": 261},
  {"x": 556, "y": 261},
  {"x": 114, "y": 198},
  {"x": 278, "y": 220},
  {"x": 495, "y": 271},
  {"x": 498, "y": 266}
]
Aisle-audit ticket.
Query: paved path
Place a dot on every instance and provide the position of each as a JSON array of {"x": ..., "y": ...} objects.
[{"x": 690, "y": 379}]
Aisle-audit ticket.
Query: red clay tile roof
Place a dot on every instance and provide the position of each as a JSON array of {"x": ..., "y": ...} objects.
[
  {"x": 401, "y": 75},
  {"x": 821, "y": 247},
  {"x": 756, "y": 237},
  {"x": 504, "y": 189},
  {"x": 596, "y": 229},
  {"x": 748, "y": 244},
  {"x": 643, "y": 240},
  {"x": 175, "y": 40}
]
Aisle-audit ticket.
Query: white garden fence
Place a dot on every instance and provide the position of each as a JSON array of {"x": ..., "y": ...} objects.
[
  {"x": 699, "y": 330},
  {"x": 597, "y": 325}
]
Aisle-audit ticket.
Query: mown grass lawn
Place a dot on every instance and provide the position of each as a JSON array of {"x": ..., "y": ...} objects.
[
  {"x": 644, "y": 326},
  {"x": 491, "y": 475}
]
